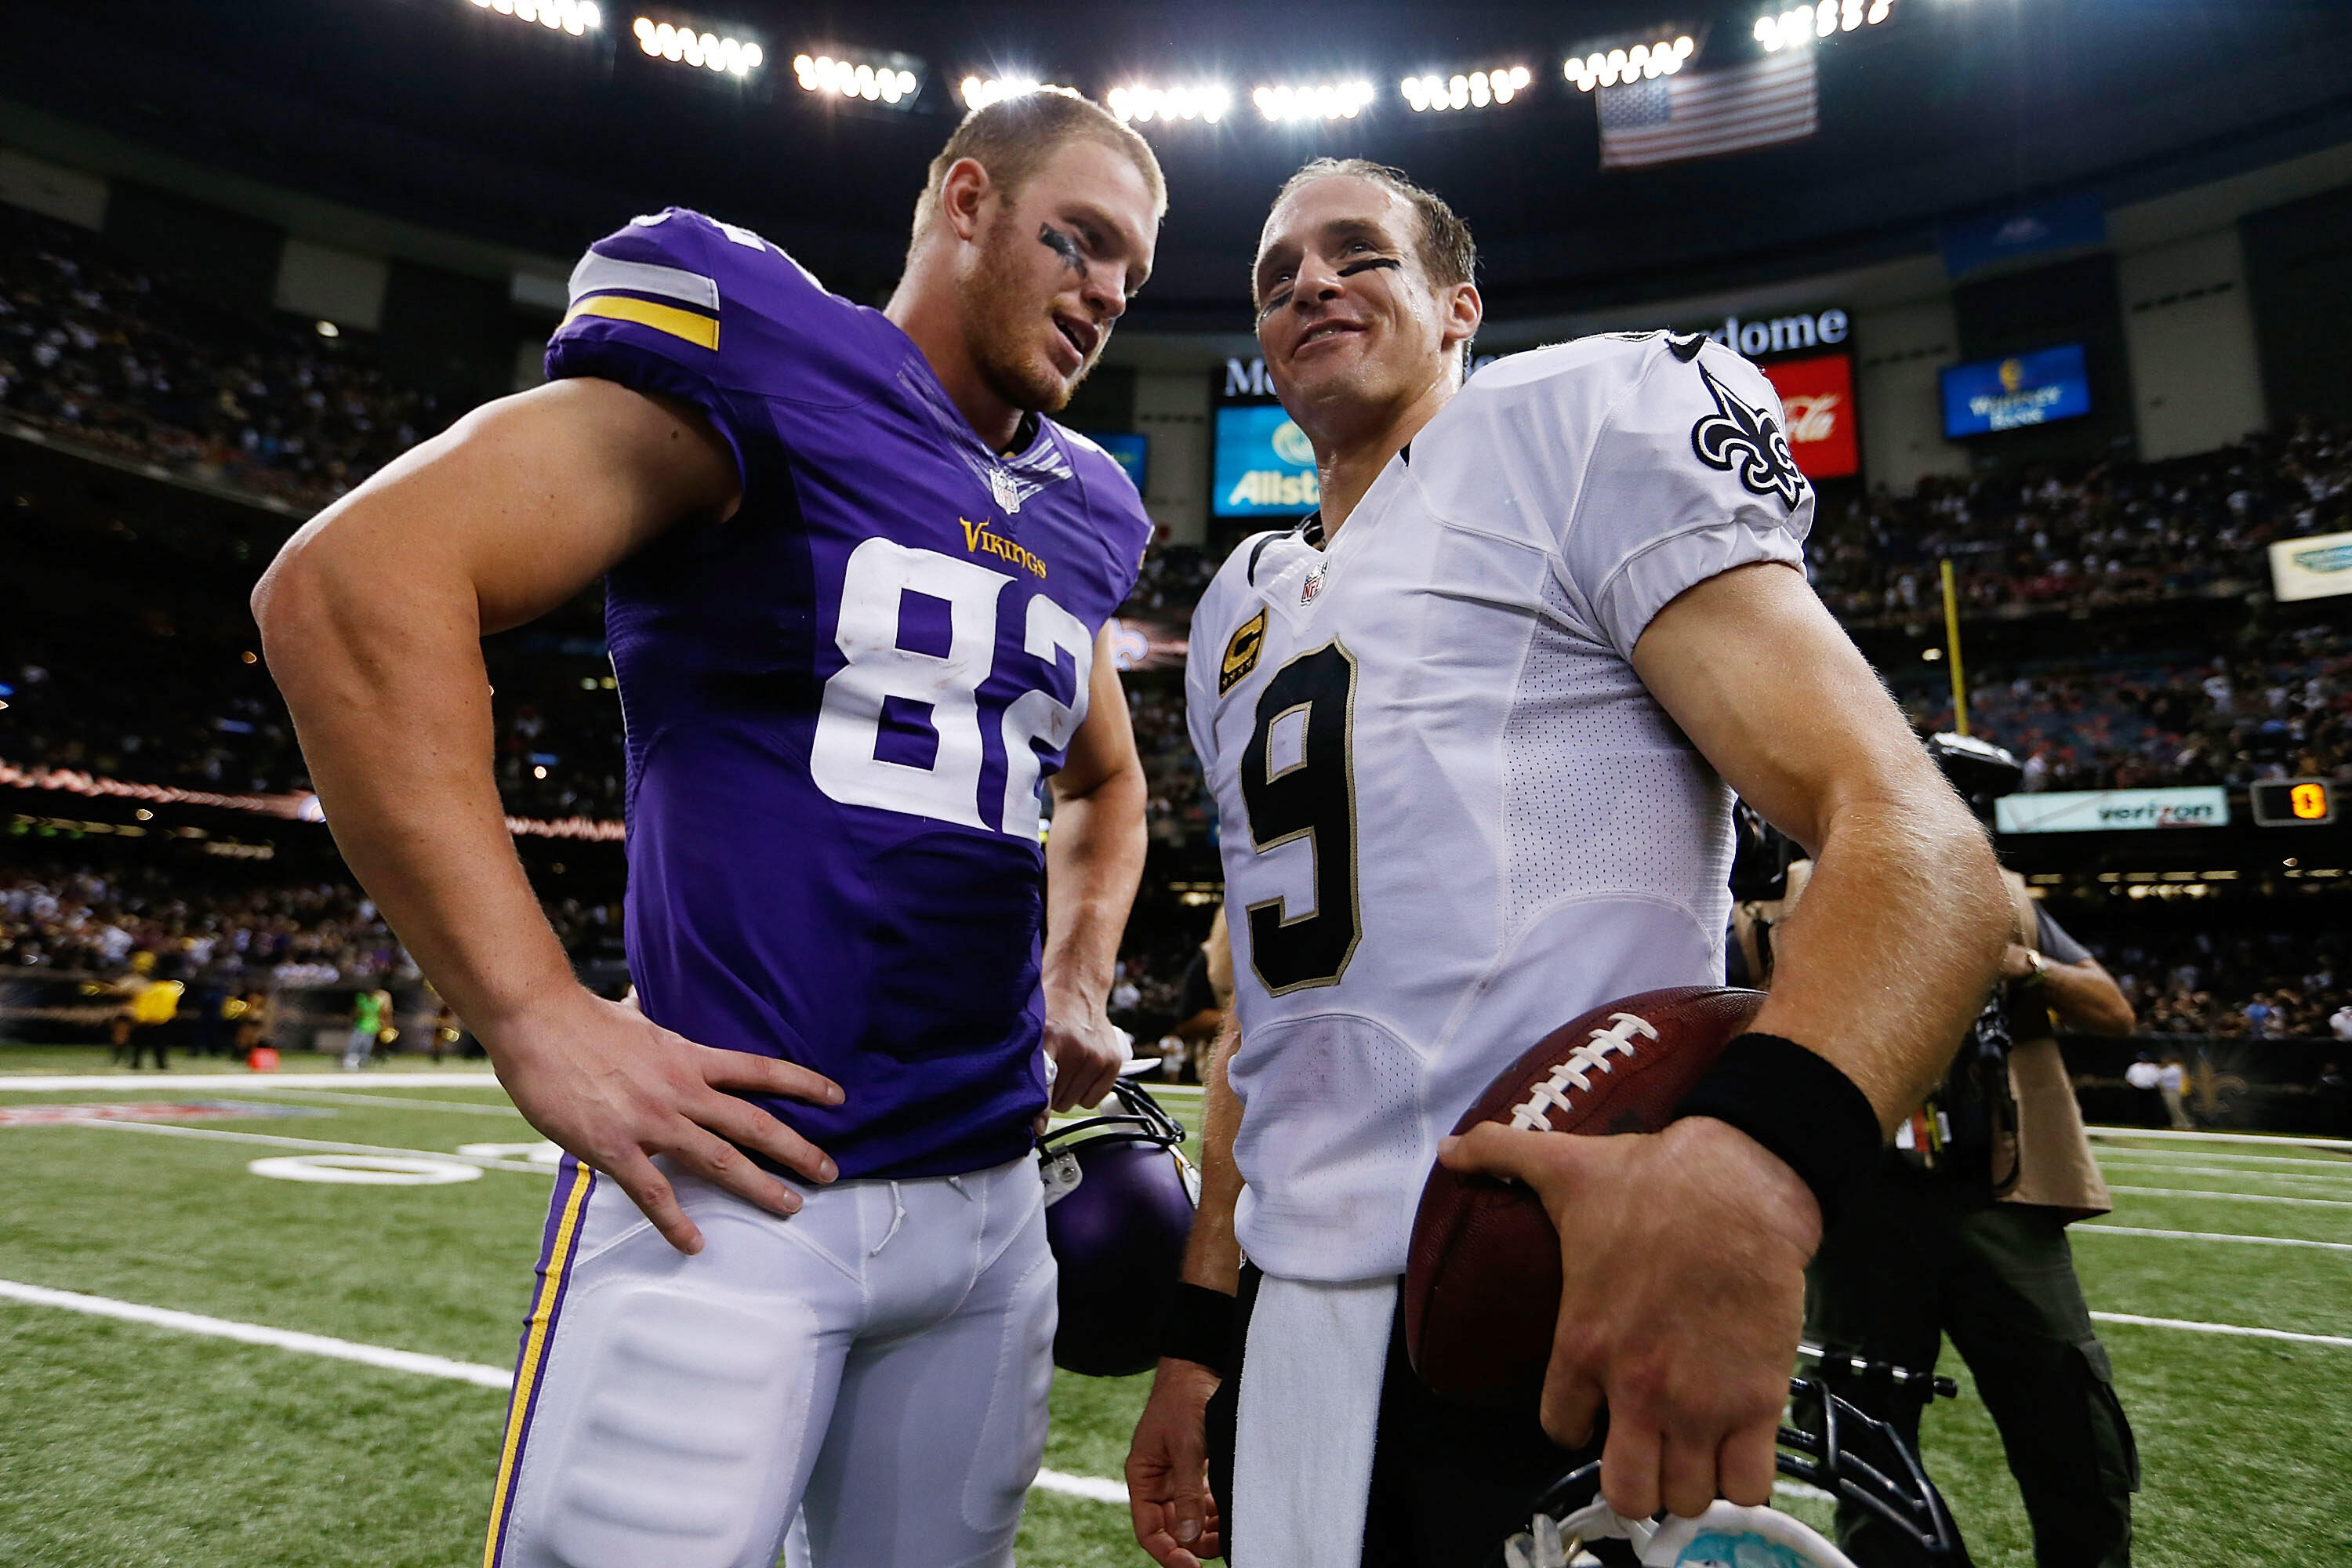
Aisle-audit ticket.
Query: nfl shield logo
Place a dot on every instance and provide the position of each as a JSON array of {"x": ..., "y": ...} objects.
[
  {"x": 1008, "y": 494},
  {"x": 1313, "y": 585}
]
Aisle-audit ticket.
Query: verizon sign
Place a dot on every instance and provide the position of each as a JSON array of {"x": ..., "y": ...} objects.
[{"x": 2113, "y": 810}]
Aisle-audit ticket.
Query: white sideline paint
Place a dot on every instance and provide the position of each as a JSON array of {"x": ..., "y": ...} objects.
[
  {"x": 2211, "y": 1236},
  {"x": 2141, "y": 1192},
  {"x": 2341, "y": 1145},
  {"x": 314, "y": 1145},
  {"x": 51, "y": 1083},
  {"x": 2234, "y": 1330}
]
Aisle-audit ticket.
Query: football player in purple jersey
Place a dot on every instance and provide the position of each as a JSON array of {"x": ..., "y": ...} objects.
[{"x": 856, "y": 591}]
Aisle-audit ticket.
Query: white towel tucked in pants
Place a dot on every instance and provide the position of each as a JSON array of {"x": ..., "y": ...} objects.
[{"x": 1310, "y": 1414}]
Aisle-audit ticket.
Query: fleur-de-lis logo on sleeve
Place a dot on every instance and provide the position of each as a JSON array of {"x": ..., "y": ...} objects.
[{"x": 1746, "y": 443}]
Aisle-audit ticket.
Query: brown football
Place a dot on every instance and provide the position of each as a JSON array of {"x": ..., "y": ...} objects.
[{"x": 1481, "y": 1283}]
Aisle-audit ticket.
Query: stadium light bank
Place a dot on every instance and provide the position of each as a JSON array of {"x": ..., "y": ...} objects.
[
  {"x": 979, "y": 92},
  {"x": 1283, "y": 102},
  {"x": 1802, "y": 24},
  {"x": 1642, "y": 62},
  {"x": 577, "y": 18},
  {"x": 685, "y": 46},
  {"x": 882, "y": 79},
  {"x": 1435, "y": 94},
  {"x": 1140, "y": 103}
]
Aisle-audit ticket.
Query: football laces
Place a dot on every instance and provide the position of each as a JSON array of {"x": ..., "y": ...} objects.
[{"x": 1534, "y": 1113}]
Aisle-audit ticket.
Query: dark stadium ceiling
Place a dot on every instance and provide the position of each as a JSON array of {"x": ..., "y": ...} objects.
[{"x": 448, "y": 114}]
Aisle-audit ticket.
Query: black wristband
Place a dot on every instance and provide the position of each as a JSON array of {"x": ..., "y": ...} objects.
[
  {"x": 1791, "y": 1101},
  {"x": 1197, "y": 1325}
]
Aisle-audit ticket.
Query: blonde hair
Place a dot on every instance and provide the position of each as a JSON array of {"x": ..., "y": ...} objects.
[{"x": 1015, "y": 137}]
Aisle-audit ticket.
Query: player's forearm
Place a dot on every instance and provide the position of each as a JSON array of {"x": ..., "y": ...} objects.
[
  {"x": 391, "y": 701},
  {"x": 2084, "y": 998},
  {"x": 1094, "y": 861},
  {"x": 1894, "y": 947},
  {"x": 1213, "y": 1257}
]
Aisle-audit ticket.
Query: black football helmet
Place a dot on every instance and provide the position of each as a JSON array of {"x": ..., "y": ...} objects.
[
  {"x": 1119, "y": 1197},
  {"x": 1830, "y": 1445}
]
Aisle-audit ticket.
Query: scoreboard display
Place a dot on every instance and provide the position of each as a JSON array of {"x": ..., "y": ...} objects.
[{"x": 2293, "y": 802}]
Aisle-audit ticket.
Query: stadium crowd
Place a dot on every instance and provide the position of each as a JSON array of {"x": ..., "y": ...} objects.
[
  {"x": 109, "y": 355},
  {"x": 99, "y": 922},
  {"x": 2113, "y": 534},
  {"x": 99, "y": 351},
  {"x": 2283, "y": 711},
  {"x": 2273, "y": 985}
]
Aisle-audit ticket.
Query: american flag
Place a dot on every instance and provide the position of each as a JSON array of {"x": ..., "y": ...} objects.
[{"x": 1702, "y": 113}]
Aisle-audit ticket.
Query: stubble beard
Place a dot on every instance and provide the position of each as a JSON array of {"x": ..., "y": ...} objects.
[{"x": 998, "y": 314}]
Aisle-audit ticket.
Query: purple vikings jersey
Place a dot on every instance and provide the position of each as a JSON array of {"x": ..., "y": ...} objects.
[{"x": 842, "y": 704}]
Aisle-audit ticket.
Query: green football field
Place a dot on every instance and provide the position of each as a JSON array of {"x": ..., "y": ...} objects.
[{"x": 128, "y": 1441}]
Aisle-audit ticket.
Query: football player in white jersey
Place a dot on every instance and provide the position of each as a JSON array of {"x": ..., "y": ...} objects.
[{"x": 1473, "y": 729}]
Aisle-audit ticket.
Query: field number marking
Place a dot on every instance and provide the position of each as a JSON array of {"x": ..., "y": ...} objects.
[{"x": 365, "y": 1170}]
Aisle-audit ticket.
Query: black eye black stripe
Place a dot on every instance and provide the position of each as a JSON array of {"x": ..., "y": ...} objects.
[
  {"x": 1063, "y": 246},
  {"x": 1275, "y": 302}
]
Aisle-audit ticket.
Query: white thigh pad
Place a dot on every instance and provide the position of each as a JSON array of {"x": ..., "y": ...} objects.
[{"x": 697, "y": 1408}]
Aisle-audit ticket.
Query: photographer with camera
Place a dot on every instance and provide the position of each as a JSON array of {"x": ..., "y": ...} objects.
[{"x": 1965, "y": 1236}]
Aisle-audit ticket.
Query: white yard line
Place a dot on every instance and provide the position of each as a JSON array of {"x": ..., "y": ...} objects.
[
  {"x": 2169, "y": 1136},
  {"x": 1094, "y": 1486},
  {"x": 2234, "y": 1330},
  {"x": 463, "y": 1107},
  {"x": 497, "y": 1377},
  {"x": 133, "y": 1082},
  {"x": 260, "y": 1334},
  {"x": 2320, "y": 1161},
  {"x": 2230, "y": 1197},
  {"x": 315, "y": 1145},
  {"x": 2166, "y": 1168},
  {"x": 2211, "y": 1236}
]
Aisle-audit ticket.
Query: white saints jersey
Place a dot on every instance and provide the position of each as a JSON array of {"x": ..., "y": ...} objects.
[{"x": 1452, "y": 816}]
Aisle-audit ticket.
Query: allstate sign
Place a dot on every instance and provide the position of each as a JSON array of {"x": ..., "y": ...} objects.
[
  {"x": 2113, "y": 810},
  {"x": 1266, "y": 465}
]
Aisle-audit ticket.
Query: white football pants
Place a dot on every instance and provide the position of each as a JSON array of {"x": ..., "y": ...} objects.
[{"x": 878, "y": 1362}]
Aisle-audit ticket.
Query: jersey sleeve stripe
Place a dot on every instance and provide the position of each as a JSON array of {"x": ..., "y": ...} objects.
[
  {"x": 599, "y": 274},
  {"x": 700, "y": 331}
]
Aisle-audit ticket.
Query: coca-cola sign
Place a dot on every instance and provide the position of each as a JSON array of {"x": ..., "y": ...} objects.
[{"x": 1817, "y": 395}]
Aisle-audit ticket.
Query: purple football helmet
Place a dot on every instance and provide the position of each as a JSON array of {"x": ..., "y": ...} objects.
[{"x": 1119, "y": 1197}]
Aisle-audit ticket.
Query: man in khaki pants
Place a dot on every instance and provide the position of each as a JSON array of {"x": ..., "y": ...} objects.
[{"x": 1965, "y": 1236}]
